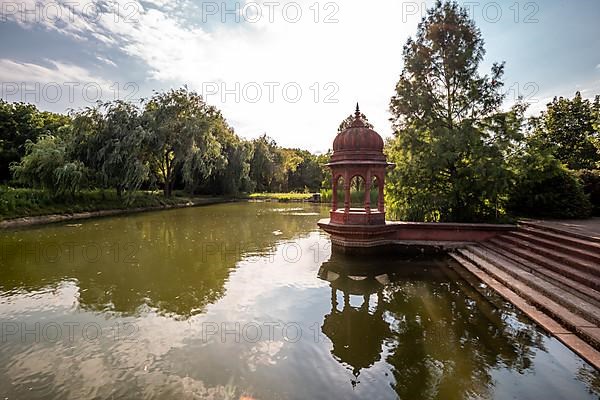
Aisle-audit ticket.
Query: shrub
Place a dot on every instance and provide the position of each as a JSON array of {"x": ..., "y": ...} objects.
[
  {"x": 546, "y": 188},
  {"x": 591, "y": 186}
]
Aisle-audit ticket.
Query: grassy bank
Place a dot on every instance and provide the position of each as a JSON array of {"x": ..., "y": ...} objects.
[
  {"x": 281, "y": 196},
  {"x": 16, "y": 203}
]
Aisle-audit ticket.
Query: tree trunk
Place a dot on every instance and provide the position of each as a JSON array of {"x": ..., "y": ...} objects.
[{"x": 168, "y": 189}]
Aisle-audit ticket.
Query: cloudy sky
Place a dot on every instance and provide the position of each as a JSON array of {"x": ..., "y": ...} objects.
[{"x": 291, "y": 69}]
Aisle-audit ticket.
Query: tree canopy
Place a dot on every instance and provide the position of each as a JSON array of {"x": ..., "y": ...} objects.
[
  {"x": 569, "y": 128},
  {"x": 451, "y": 141}
]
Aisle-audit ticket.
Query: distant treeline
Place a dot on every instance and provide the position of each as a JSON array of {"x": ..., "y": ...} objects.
[{"x": 172, "y": 141}]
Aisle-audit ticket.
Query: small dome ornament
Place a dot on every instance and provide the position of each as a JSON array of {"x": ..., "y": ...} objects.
[{"x": 358, "y": 121}]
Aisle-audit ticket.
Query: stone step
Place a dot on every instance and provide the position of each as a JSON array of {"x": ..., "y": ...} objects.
[
  {"x": 563, "y": 231},
  {"x": 565, "y": 239},
  {"x": 557, "y": 255},
  {"x": 576, "y": 288},
  {"x": 486, "y": 259},
  {"x": 568, "y": 271},
  {"x": 467, "y": 270},
  {"x": 574, "y": 251},
  {"x": 569, "y": 320}
]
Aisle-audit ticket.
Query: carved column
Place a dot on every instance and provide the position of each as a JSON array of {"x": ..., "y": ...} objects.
[
  {"x": 368, "y": 192},
  {"x": 334, "y": 189},
  {"x": 347, "y": 184},
  {"x": 380, "y": 182}
]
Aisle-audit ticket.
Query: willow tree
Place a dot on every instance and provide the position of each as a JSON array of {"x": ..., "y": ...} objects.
[
  {"x": 451, "y": 141},
  {"x": 181, "y": 139},
  {"x": 109, "y": 139}
]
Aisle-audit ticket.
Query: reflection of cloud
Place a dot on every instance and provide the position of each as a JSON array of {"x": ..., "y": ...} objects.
[
  {"x": 88, "y": 374},
  {"x": 292, "y": 263},
  {"x": 263, "y": 354},
  {"x": 56, "y": 297}
]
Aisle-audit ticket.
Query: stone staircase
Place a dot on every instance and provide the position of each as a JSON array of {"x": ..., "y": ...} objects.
[{"x": 551, "y": 274}]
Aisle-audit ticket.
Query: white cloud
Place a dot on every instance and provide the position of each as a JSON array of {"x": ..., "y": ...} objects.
[
  {"x": 106, "y": 61},
  {"x": 355, "y": 59},
  {"x": 57, "y": 85}
]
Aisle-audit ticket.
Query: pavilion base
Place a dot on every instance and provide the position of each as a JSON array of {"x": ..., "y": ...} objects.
[{"x": 408, "y": 237}]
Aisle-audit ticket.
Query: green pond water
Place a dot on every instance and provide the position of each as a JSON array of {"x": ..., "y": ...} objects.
[{"x": 246, "y": 300}]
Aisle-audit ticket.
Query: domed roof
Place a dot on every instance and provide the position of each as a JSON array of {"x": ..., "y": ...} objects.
[{"x": 358, "y": 143}]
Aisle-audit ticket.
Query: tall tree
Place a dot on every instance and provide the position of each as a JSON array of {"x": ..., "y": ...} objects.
[
  {"x": 448, "y": 144},
  {"x": 568, "y": 128},
  {"x": 265, "y": 163},
  {"x": 179, "y": 125},
  {"x": 109, "y": 139},
  {"x": 232, "y": 175}
]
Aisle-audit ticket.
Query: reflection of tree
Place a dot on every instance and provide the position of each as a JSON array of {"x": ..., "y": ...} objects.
[
  {"x": 176, "y": 261},
  {"x": 591, "y": 377},
  {"x": 442, "y": 339}
]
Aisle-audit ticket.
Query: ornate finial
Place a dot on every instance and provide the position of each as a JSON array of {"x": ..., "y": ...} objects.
[{"x": 357, "y": 113}]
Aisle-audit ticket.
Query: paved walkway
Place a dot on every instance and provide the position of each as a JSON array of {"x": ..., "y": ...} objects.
[{"x": 588, "y": 227}]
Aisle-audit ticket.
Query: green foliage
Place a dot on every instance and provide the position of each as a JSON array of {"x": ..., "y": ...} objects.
[
  {"x": 71, "y": 177},
  {"x": 590, "y": 180},
  {"x": 45, "y": 166},
  {"x": 263, "y": 166},
  {"x": 20, "y": 123},
  {"x": 234, "y": 177},
  {"x": 275, "y": 169},
  {"x": 307, "y": 173},
  {"x": 346, "y": 123},
  {"x": 569, "y": 128},
  {"x": 174, "y": 141},
  {"x": 110, "y": 139},
  {"x": 357, "y": 197},
  {"x": 281, "y": 196},
  {"x": 180, "y": 128},
  {"x": 545, "y": 188},
  {"x": 452, "y": 145},
  {"x": 21, "y": 202}
]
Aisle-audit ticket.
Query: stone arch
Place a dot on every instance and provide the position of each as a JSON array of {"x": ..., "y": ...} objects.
[{"x": 357, "y": 191}]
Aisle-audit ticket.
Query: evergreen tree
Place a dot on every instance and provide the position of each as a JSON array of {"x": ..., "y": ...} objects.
[{"x": 451, "y": 142}]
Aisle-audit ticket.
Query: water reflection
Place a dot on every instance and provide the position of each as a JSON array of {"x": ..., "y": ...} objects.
[
  {"x": 377, "y": 328},
  {"x": 357, "y": 333},
  {"x": 440, "y": 338},
  {"x": 174, "y": 262}
]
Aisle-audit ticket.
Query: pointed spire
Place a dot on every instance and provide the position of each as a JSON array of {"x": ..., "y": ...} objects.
[{"x": 357, "y": 112}]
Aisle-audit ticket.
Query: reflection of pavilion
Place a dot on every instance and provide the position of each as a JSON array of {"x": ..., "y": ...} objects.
[{"x": 357, "y": 333}]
